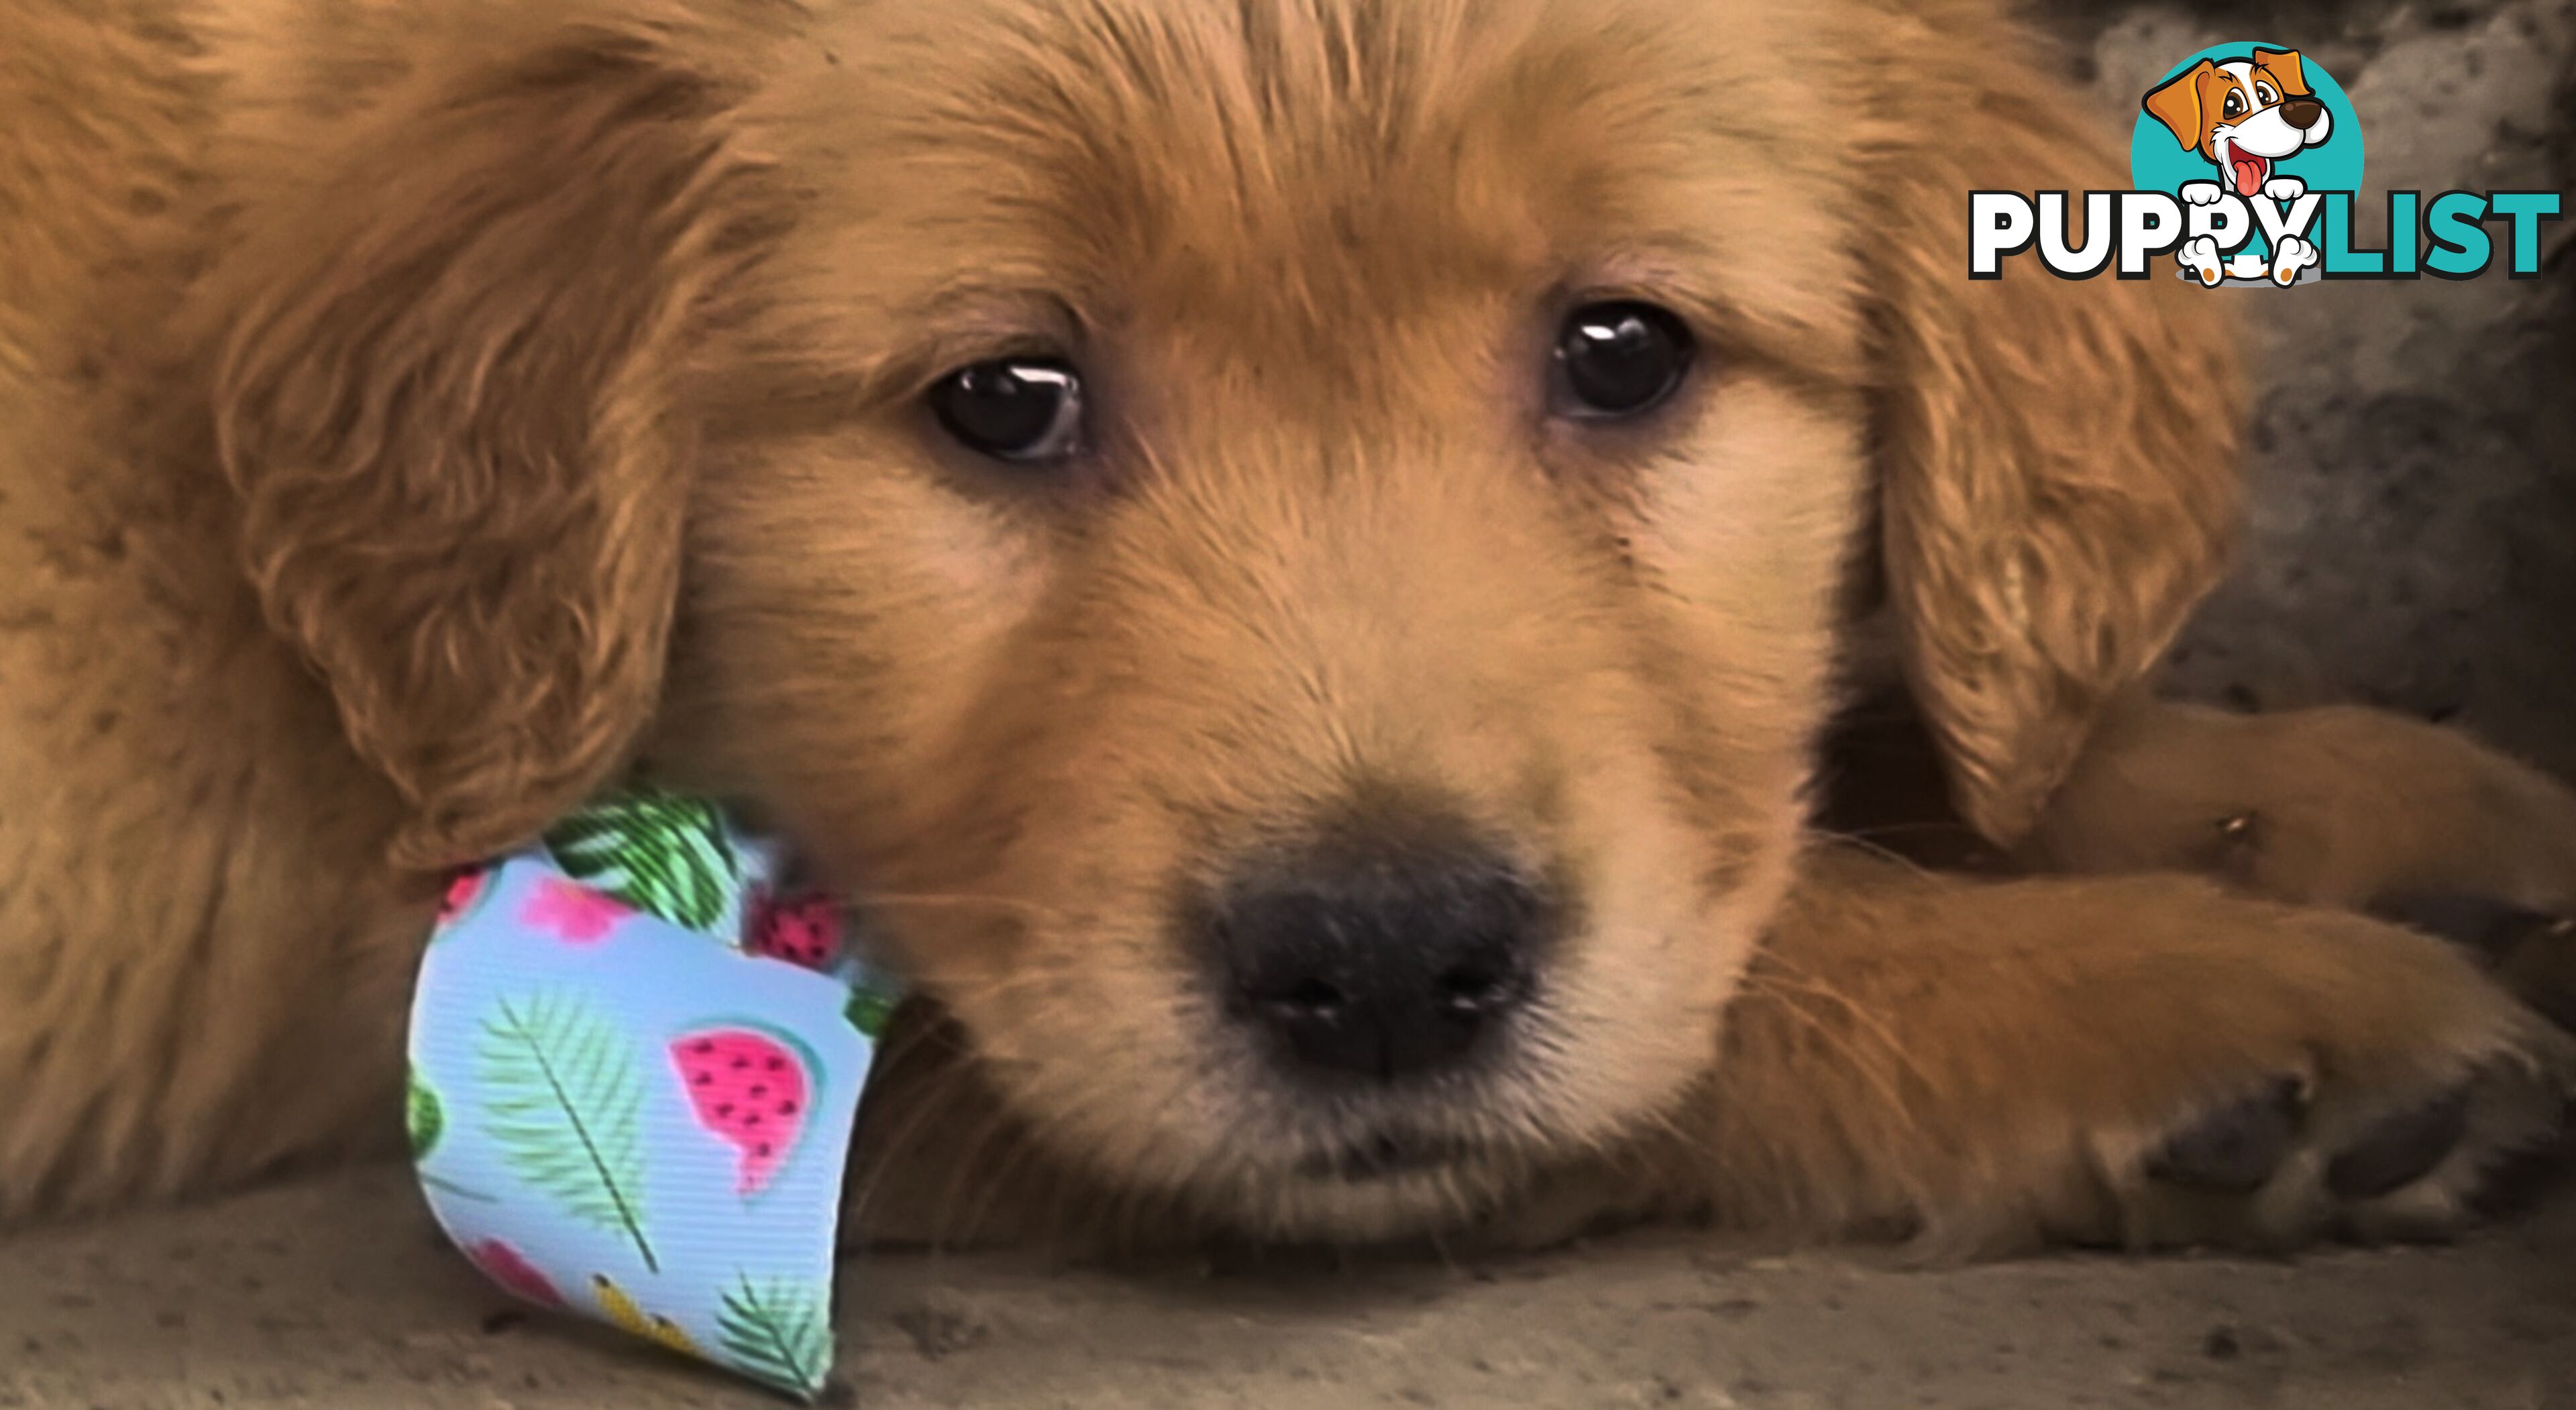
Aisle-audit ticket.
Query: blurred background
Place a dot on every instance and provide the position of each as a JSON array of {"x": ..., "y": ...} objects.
[{"x": 2414, "y": 442}]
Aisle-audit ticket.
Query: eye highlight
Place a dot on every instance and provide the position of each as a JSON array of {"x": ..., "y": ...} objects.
[
  {"x": 1020, "y": 409},
  {"x": 1619, "y": 359}
]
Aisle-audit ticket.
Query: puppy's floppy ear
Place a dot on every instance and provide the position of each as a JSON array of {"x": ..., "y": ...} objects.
[
  {"x": 2059, "y": 473},
  {"x": 2286, "y": 67},
  {"x": 2177, "y": 105},
  {"x": 445, "y": 395}
]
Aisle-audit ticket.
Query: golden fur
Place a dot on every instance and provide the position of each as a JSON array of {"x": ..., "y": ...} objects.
[{"x": 412, "y": 417}]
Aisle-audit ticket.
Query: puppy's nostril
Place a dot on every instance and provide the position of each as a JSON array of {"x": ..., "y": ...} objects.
[
  {"x": 1474, "y": 990},
  {"x": 1380, "y": 966},
  {"x": 1311, "y": 1000}
]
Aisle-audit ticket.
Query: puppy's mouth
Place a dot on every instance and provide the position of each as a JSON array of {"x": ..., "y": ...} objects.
[
  {"x": 2247, "y": 171},
  {"x": 1387, "y": 1155}
]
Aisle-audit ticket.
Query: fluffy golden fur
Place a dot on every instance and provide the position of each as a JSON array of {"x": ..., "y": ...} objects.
[{"x": 413, "y": 417}]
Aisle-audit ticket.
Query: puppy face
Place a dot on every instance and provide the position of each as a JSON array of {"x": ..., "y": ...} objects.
[
  {"x": 1324, "y": 761},
  {"x": 2244, "y": 115},
  {"x": 1291, "y": 549}
]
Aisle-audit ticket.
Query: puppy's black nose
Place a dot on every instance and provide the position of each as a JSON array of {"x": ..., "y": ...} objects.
[
  {"x": 2302, "y": 113},
  {"x": 1381, "y": 967}
]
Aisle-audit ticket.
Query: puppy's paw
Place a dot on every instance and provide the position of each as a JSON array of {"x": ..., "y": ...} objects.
[
  {"x": 2201, "y": 193},
  {"x": 2539, "y": 965},
  {"x": 2146, "y": 1062},
  {"x": 2532, "y": 953},
  {"x": 2299, "y": 1156},
  {"x": 2284, "y": 188},
  {"x": 2340, "y": 806},
  {"x": 2289, "y": 257},
  {"x": 2200, "y": 256},
  {"x": 2343, "y": 1079}
]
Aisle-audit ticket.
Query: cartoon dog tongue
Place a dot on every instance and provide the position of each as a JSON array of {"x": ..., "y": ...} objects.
[{"x": 2248, "y": 169}]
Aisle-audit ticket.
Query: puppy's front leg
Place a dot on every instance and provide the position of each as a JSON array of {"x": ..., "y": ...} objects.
[
  {"x": 2340, "y": 806},
  {"x": 2141, "y": 1061}
]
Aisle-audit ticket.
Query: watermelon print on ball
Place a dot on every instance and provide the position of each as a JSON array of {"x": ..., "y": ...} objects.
[
  {"x": 512, "y": 1270},
  {"x": 802, "y": 930},
  {"x": 424, "y": 1119},
  {"x": 661, "y": 854},
  {"x": 465, "y": 890},
  {"x": 752, "y": 1086},
  {"x": 633, "y": 1088}
]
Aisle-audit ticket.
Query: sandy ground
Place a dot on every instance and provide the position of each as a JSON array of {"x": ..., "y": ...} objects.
[{"x": 337, "y": 1295}]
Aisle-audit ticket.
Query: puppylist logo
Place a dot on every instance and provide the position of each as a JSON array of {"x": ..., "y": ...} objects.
[{"x": 2247, "y": 164}]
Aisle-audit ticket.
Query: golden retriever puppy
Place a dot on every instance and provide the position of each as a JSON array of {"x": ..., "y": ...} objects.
[{"x": 1298, "y": 553}]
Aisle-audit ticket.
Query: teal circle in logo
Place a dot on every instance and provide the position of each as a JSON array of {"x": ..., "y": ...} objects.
[{"x": 2159, "y": 161}]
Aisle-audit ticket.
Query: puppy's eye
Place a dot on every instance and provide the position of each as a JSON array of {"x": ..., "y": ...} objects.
[
  {"x": 1619, "y": 359},
  {"x": 2234, "y": 106},
  {"x": 2265, "y": 94},
  {"x": 1015, "y": 408}
]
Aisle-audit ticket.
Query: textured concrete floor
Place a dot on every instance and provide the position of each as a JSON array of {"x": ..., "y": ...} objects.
[
  {"x": 2416, "y": 447},
  {"x": 335, "y": 1297}
]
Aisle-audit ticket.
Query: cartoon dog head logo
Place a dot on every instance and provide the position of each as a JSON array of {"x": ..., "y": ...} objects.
[
  {"x": 2250, "y": 138},
  {"x": 2244, "y": 115}
]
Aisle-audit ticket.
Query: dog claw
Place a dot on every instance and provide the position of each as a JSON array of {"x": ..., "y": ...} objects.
[
  {"x": 2237, "y": 1148},
  {"x": 2400, "y": 1150}
]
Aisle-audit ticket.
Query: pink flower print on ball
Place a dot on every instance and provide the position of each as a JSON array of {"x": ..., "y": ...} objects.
[
  {"x": 572, "y": 912},
  {"x": 463, "y": 890},
  {"x": 802, "y": 930},
  {"x": 751, "y": 1088}
]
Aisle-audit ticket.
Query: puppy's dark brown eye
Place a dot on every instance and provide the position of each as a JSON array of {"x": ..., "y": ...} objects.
[
  {"x": 1619, "y": 359},
  {"x": 1015, "y": 408}
]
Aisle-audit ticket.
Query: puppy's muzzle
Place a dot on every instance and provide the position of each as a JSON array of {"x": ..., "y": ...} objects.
[{"x": 1375, "y": 966}]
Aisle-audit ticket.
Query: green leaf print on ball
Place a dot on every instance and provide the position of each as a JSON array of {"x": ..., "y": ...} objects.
[
  {"x": 781, "y": 1334},
  {"x": 566, "y": 1102},
  {"x": 871, "y": 1009},
  {"x": 660, "y": 853},
  {"x": 423, "y": 1118}
]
